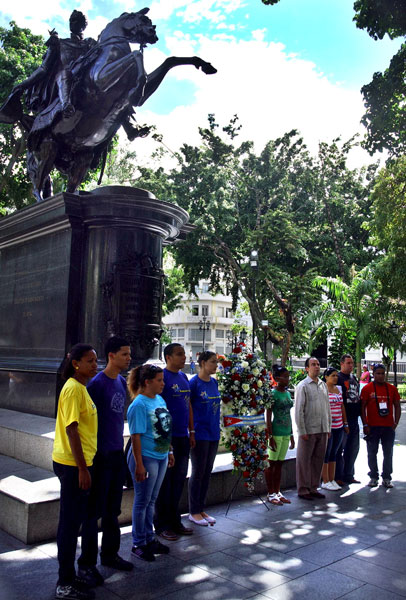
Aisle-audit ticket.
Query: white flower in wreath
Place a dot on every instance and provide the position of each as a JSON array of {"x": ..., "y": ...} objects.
[
  {"x": 245, "y": 387},
  {"x": 260, "y": 383},
  {"x": 245, "y": 364},
  {"x": 255, "y": 371}
]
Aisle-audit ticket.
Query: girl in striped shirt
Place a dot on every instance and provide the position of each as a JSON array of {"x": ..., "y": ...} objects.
[{"x": 339, "y": 425}]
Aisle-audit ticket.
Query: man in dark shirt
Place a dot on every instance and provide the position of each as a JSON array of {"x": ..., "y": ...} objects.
[
  {"x": 176, "y": 394},
  {"x": 108, "y": 391},
  {"x": 347, "y": 454}
]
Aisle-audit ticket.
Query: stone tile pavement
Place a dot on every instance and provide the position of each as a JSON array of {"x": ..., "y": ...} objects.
[{"x": 351, "y": 545}]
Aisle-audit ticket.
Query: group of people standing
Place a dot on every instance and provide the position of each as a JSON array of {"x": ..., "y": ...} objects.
[
  {"x": 327, "y": 416},
  {"x": 169, "y": 420}
]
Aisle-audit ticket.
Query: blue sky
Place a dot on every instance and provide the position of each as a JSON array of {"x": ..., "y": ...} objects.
[{"x": 298, "y": 64}]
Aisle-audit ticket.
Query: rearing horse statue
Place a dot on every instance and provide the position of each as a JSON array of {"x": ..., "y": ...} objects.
[{"x": 107, "y": 82}]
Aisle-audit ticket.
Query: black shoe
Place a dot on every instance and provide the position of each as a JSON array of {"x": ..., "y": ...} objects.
[
  {"x": 143, "y": 552},
  {"x": 157, "y": 548},
  {"x": 306, "y": 496},
  {"x": 182, "y": 530},
  {"x": 317, "y": 495},
  {"x": 117, "y": 563},
  {"x": 90, "y": 576},
  {"x": 73, "y": 592}
]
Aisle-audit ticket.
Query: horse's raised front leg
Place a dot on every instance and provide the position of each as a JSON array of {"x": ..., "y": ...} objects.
[
  {"x": 39, "y": 165},
  {"x": 155, "y": 78}
]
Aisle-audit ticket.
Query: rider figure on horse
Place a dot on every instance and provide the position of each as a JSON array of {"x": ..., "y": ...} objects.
[{"x": 53, "y": 78}]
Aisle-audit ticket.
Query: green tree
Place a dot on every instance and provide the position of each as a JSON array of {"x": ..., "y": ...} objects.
[
  {"x": 356, "y": 313},
  {"x": 20, "y": 53},
  {"x": 239, "y": 201},
  {"x": 388, "y": 226}
]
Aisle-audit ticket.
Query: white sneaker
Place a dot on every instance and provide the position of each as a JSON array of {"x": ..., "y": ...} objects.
[
  {"x": 387, "y": 483},
  {"x": 335, "y": 485},
  {"x": 328, "y": 486}
]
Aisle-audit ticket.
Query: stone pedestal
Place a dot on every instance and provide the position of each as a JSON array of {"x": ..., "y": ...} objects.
[{"x": 79, "y": 268}]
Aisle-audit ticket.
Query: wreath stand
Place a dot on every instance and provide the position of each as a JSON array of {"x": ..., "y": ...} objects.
[{"x": 230, "y": 495}]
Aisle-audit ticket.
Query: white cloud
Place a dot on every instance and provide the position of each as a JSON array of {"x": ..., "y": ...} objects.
[
  {"x": 271, "y": 91},
  {"x": 194, "y": 12}
]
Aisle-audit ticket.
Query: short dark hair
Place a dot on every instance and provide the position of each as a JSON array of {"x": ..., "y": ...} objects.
[
  {"x": 309, "y": 359},
  {"x": 378, "y": 366},
  {"x": 113, "y": 345},
  {"x": 168, "y": 350},
  {"x": 76, "y": 353},
  {"x": 344, "y": 356},
  {"x": 203, "y": 356},
  {"x": 277, "y": 370}
]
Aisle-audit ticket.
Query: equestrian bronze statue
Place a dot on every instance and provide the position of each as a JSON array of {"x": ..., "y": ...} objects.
[{"x": 83, "y": 92}]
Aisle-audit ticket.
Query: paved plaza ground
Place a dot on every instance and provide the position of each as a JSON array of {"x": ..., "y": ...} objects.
[{"x": 351, "y": 545}]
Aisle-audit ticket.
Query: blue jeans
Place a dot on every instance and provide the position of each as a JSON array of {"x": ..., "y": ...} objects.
[
  {"x": 145, "y": 495},
  {"x": 334, "y": 444},
  {"x": 348, "y": 452},
  {"x": 385, "y": 435}
]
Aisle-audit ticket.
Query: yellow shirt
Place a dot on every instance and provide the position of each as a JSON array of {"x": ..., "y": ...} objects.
[{"x": 75, "y": 405}]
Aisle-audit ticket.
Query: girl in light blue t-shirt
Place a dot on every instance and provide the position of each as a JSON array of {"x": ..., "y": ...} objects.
[{"x": 150, "y": 426}]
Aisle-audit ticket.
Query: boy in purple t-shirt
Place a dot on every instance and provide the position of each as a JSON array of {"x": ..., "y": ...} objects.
[
  {"x": 176, "y": 394},
  {"x": 108, "y": 391}
]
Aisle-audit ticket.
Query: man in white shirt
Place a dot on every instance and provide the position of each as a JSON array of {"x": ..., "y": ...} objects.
[{"x": 313, "y": 420}]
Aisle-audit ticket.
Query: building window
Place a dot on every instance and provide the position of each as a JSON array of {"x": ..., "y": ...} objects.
[
  {"x": 172, "y": 333},
  {"x": 181, "y": 333},
  {"x": 196, "y": 335},
  {"x": 219, "y": 350},
  {"x": 195, "y": 310},
  {"x": 220, "y": 334},
  {"x": 205, "y": 310},
  {"x": 205, "y": 287},
  {"x": 220, "y": 311},
  {"x": 229, "y": 313}
]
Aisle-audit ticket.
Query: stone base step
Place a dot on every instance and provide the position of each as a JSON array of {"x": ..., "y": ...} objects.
[
  {"x": 29, "y": 496},
  {"x": 30, "y": 438},
  {"x": 29, "y": 490}
]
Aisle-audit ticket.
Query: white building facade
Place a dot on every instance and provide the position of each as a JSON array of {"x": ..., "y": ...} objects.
[{"x": 204, "y": 320}]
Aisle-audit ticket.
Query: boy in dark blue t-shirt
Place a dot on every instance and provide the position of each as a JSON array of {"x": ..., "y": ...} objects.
[{"x": 176, "y": 394}]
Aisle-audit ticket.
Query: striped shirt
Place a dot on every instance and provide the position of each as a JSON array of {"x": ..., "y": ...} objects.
[{"x": 336, "y": 402}]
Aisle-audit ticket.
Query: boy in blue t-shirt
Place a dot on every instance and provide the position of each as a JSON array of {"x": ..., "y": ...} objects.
[{"x": 176, "y": 393}]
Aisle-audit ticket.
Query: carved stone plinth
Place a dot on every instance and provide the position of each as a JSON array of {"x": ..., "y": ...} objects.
[{"x": 79, "y": 267}]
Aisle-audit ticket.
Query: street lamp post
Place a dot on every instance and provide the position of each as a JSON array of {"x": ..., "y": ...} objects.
[
  {"x": 254, "y": 267},
  {"x": 264, "y": 325},
  {"x": 204, "y": 325},
  {"x": 394, "y": 328}
]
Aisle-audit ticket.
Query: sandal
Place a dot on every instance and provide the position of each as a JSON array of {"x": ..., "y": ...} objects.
[
  {"x": 283, "y": 499},
  {"x": 274, "y": 499}
]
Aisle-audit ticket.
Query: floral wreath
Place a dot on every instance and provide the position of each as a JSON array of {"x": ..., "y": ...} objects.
[{"x": 245, "y": 389}]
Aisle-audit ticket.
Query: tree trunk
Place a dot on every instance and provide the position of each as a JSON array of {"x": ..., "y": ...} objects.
[{"x": 358, "y": 356}]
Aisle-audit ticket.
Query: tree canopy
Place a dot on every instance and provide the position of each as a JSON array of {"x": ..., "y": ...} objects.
[
  {"x": 20, "y": 54},
  {"x": 302, "y": 214},
  {"x": 388, "y": 226}
]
